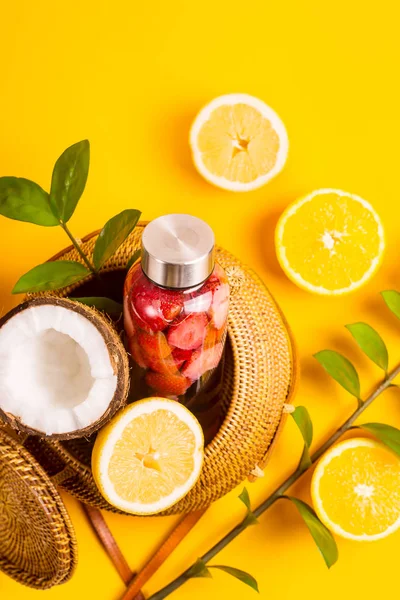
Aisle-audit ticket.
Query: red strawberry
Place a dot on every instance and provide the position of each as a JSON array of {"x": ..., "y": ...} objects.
[
  {"x": 151, "y": 361},
  {"x": 209, "y": 286},
  {"x": 220, "y": 306},
  {"x": 171, "y": 304},
  {"x": 168, "y": 384},
  {"x": 154, "y": 306},
  {"x": 132, "y": 277},
  {"x": 147, "y": 311},
  {"x": 217, "y": 278},
  {"x": 151, "y": 306},
  {"x": 137, "y": 352},
  {"x": 153, "y": 345},
  {"x": 162, "y": 365},
  {"x": 202, "y": 361},
  {"x": 180, "y": 356},
  {"x": 188, "y": 333}
]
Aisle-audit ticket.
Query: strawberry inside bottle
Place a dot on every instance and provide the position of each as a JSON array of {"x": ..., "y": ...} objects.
[{"x": 176, "y": 336}]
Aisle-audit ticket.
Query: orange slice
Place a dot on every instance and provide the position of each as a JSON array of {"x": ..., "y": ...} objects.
[
  {"x": 238, "y": 142},
  {"x": 330, "y": 242},
  {"x": 356, "y": 490},
  {"x": 149, "y": 456}
]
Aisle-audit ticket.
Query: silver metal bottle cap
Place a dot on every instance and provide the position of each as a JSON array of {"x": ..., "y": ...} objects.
[{"x": 178, "y": 251}]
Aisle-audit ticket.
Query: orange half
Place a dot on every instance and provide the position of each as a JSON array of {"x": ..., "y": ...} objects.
[
  {"x": 330, "y": 242},
  {"x": 356, "y": 490}
]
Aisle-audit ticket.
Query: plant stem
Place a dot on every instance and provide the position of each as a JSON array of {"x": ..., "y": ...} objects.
[
  {"x": 77, "y": 247},
  {"x": 282, "y": 489}
]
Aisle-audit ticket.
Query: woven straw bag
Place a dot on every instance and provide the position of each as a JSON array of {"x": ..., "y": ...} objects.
[
  {"x": 259, "y": 378},
  {"x": 37, "y": 541}
]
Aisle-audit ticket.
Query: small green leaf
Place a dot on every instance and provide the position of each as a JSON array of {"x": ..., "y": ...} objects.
[
  {"x": 113, "y": 234},
  {"x": 24, "y": 200},
  {"x": 249, "y": 519},
  {"x": 321, "y": 535},
  {"x": 371, "y": 343},
  {"x": 304, "y": 423},
  {"x": 388, "y": 435},
  {"x": 341, "y": 369},
  {"x": 245, "y": 498},
  {"x": 241, "y": 575},
  {"x": 305, "y": 460},
  {"x": 133, "y": 259},
  {"x": 50, "y": 276},
  {"x": 392, "y": 299},
  {"x": 199, "y": 569},
  {"x": 105, "y": 304},
  {"x": 70, "y": 174}
]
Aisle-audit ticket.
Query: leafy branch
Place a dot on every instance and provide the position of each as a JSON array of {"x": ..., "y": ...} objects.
[
  {"x": 344, "y": 372},
  {"x": 24, "y": 200}
]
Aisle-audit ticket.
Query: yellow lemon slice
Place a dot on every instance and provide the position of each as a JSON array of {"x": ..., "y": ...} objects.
[
  {"x": 149, "y": 456},
  {"x": 238, "y": 142},
  {"x": 356, "y": 490},
  {"x": 330, "y": 242}
]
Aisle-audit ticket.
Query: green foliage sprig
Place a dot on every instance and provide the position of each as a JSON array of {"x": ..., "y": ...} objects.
[
  {"x": 24, "y": 200},
  {"x": 344, "y": 372}
]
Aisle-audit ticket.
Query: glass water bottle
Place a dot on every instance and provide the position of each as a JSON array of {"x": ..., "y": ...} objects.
[{"x": 176, "y": 302}]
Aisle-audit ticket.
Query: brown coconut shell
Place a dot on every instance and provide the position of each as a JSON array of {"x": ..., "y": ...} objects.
[{"x": 118, "y": 359}]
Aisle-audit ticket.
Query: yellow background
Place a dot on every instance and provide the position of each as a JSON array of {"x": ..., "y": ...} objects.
[{"x": 130, "y": 76}]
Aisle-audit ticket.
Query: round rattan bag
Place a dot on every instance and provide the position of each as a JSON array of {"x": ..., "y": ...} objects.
[
  {"x": 37, "y": 540},
  {"x": 258, "y": 378}
]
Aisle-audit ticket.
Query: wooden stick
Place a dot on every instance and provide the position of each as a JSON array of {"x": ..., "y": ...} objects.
[
  {"x": 166, "y": 548},
  {"x": 107, "y": 540}
]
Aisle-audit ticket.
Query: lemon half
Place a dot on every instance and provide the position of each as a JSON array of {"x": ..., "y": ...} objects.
[
  {"x": 149, "y": 456},
  {"x": 238, "y": 142}
]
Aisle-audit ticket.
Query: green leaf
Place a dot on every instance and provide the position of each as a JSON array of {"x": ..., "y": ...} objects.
[
  {"x": 113, "y": 234},
  {"x": 133, "y": 259},
  {"x": 321, "y": 535},
  {"x": 305, "y": 460},
  {"x": 105, "y": 304},
  {"x": 199, "y": 569},
  {"x": 387, "y": 434},
  {"x": 371, "y": 343},
  {"x": 341, "y": 369},
  {"x": 250, "y": 518},
  {"x": 69, "y": 178},
  {"x": 245, "y": 498},
  {"x": 241, "y": 575},
  {"x": 24, "y": 200},
  {"x": 50, "y": 276},
  {"x": 392, "y": 299},
  {"x": 304, "y": 423}
]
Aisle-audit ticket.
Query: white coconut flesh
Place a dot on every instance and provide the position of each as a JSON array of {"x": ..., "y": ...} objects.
[{"x": 56, "y": 374}]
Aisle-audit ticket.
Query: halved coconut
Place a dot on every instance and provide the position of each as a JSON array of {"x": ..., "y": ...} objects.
[{"x": 64, "y": 371}]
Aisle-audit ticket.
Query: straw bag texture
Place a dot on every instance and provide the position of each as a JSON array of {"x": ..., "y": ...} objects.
[
  {"x": 258, "y": 378},
  {"x": 37, "y": 540}
]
